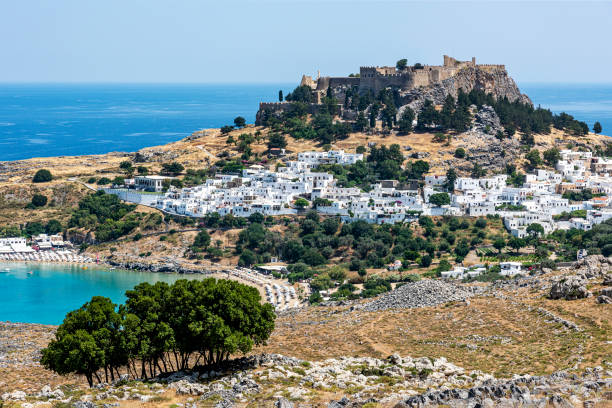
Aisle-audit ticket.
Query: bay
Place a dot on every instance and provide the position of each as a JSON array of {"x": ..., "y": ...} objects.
[{"x": 45, "y": 292}]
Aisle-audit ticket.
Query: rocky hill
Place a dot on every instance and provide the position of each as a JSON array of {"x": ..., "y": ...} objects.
[{"x": 496, "y": 82}]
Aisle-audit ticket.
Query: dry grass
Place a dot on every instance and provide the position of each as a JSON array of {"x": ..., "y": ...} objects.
[{"x": 489, "y": 334}]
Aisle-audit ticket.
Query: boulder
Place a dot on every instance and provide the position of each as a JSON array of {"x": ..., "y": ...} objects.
[
  {"x": 606, "y": 292},
  {"x": 283, "y": 403},
  {"x": 604, "y": 299},
  {"x": 46, "y": 392},
  {"x": 570, "y": 288},
  {"x": 593, "y": 266},
  {"x": 185, "y": 387},
  {"x": 84, "y": 404},
  {"x": 14, "y": 396}
]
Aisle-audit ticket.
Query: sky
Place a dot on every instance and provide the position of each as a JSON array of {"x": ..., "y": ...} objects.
[{"x": 277, "y": 41}]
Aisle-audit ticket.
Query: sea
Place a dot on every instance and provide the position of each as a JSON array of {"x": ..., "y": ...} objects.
[
  {"x": 38, "y": 120},
  {"x": 45, "y": 292},
  {"x": 41, "y": 120}
]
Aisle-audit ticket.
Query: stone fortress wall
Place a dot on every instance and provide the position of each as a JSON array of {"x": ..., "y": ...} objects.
[
  {"x": 374, "y": 79},
  {"x": 377, "y": 78}
]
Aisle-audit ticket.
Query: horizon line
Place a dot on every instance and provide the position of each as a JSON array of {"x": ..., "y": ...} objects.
[{"x": 249, "y": 83}]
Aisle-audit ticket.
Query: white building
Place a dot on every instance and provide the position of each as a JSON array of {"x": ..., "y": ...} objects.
[{"x": 510, "y": 268}]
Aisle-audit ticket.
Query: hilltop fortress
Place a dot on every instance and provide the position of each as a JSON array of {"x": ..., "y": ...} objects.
[{"x": 413, "y": 83}]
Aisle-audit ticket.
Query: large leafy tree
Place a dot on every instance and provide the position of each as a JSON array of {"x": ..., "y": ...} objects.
[
  {"x": 439, "y": 199},
  {"x": 87, "y": 341},
  {"x": 597, "y": 127},
  {"x": 160, "y": 328}
]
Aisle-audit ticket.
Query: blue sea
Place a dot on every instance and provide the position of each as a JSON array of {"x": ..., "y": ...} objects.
[
  {"x": 44, "y": 293},
  {"x": 72, "y": 119},
  {"x": 586, "y": 102}
]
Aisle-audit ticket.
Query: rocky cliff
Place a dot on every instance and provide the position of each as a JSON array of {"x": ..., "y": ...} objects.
[{"x": 496, "y": 82}]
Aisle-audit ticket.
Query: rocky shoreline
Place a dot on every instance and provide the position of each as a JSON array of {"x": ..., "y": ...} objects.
[{"x": 159, "y": 268}]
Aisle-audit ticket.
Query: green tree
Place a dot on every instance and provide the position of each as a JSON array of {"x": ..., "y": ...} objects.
[
  {"x": 39, "y": 200},
  {"x": 439, "y": 199},
  {"x": 401, "y": 64},
  {"x": 247, "y": 258},
  {"x": 552, "y": 156},
  {"x": 405, "y": 121},
  {"x": 88, "y": 340},
  {"x": 516, "y": 243},
  {"x": 302, "y": 93},
  {"x": 460, "y": 153},
  {"x": 42, "y": 176},
  {"x": 428, "y": 116},
  {"x": 535, "y": 229},
  {"x": 361, "y": 123},
  {"x": 451, "y": 177},
  {"x": 127, "y": 166},
  {"x": 330, "y": 225},
  {"x": 534, "y": 158},
  {"x": 597, "y": 127},
  {"x": 425, "y": 261},
  {"x": 277, "y": 140},
  {"x": 226, "y": 129},
  {"x": 313, "y": 257},
  {"x": 173, "y": 168},
  {"x": 202, "y": 240},
  {"x": 280, "y": 95},
  {"x": 53, "y": 227},
  {"x": 478, "y": 171},
  {"x": 301, "y": 203},
  {"x": 239, "y": 122}
]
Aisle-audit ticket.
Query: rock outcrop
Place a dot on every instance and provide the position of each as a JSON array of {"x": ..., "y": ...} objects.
[
  {"x": 593, "y": 266},
  {"x": 497, "y": 82},
  {"x": 570, "y": 288},
  {"x": 423, "y": 293}
]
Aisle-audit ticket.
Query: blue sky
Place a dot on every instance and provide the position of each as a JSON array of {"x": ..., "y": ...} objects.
[{"x": 277, "y": 41}]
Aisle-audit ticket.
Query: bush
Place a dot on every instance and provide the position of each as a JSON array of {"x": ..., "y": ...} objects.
[
  {"x": 39, "y": 200},
  {"x": 42, "y": 176},
  {"x": 460, "y": 153},
  {"x": 480, "y": 223},
  {"x": 104, "y": 181},
  {"x": 425, "y": 261}
]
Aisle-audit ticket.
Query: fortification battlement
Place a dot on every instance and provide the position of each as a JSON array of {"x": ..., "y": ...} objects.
[
  {"x": 376, "y": 78},
  {"x": 263, "y": 105},
  {"x": 491, "y": 66}
]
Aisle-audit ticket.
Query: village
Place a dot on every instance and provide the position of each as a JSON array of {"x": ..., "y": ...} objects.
[{"x": 270, "y": 193}]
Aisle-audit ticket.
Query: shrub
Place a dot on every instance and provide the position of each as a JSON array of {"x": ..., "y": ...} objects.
[
  {"x": 460, "y": 153},
  {"x": 39, "y": 200},
  {"x": 42, "y": 176},
  {"x": 425, "y": 261}
]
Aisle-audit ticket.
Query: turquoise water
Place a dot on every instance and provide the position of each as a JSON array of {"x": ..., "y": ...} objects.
[
  {"x": 44, "y": 293},
  {"x": 71, "y": 119}
]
